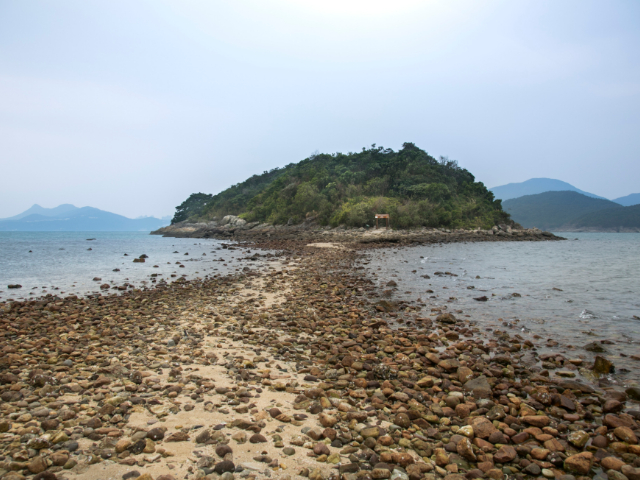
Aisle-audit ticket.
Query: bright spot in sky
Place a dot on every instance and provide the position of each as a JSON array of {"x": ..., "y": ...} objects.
[{"x": 360, "y": 7}]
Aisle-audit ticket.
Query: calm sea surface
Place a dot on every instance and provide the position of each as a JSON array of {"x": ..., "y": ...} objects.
[
  {"x": 573, "y": 292},
  {"x": 57, "y": 262}
]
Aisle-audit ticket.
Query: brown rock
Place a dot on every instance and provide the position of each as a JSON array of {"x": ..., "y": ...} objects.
[
  {"x": 331, "y": 434},
  {"x": 442, "y": 459},
  {"x": 630, "y": 472},
  {"x": 222, "y": 450},
  {"x": 37, "y": 464},
  {"x": 402, "y": 420},
  {"x": 479, "y": 387},
  {"x": 49, "y": 424},
  {"x": 274, "y": 412},
  {"x": 614, "y": 421},
  {"x": 178, "y": 437},
  {"x": 540, "y": 453},
  {"x": 123, "y": 444},
  {"x": 373, "y": 432},
  {"x": 59, "y": 458},
  {"x": 465, "y": 450},
  {"x": 402, "y": 458},
  {"x": 463, "y": 410},
  {"x": 447, "y": 318},
  {"x": 483, "y": 445},
  {"x": 539, "y": 421},
  {"x": 321, "y": 449},
  {"x": 257, "y": 438},
  {"x": 520, "y": 438},
  {"x": 612, "y": 463},
  {"x": 495, "y": 474},
  {"x": 464, "y": 374},
  {"x": 579, "y": 463},
  {"x": 626, "y": 435},
  {"x": 482, "y": 427},
  {"x": 506, "y": 454},
  {"x": 327, "y": 420},
  {"x": 380, "y": 473},
  {"x": 203, "y": 437},
  {"x": 156, "y": 434},
  {"x": 612, "y": 406},
  {"x": 602, "y": 365},
  {"x": 600, "y": 441}
]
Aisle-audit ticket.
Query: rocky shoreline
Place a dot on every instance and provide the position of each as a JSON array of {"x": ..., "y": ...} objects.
[
  {"x": 234, "y": 228},
  {"x": 301, "y": 369}
]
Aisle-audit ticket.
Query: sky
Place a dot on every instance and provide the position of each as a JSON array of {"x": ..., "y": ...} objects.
[{"x": 132, "y": 105}]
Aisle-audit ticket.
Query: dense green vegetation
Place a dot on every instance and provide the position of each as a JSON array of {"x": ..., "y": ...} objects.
[
  {"x": 553, "y": 210},
  {"x": 610, "y": 219},
  {"x": 336, "y": 189}
]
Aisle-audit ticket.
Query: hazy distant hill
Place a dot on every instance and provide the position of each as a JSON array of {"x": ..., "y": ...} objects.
[
  {"x": 70, "y": 218},
  {"x": 47, "y": 212},
  {"x": 554, "y": 210},
  {"x": 534, "y": 186},
  {"x": 633, "y": 199},
  {"x": 620, "y": 219}
]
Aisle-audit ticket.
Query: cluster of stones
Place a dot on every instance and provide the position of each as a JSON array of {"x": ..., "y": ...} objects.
[{"x": 429, "y": 398}]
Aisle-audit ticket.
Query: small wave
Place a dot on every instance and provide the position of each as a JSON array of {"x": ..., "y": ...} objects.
[{"x": 587, "y": 314}]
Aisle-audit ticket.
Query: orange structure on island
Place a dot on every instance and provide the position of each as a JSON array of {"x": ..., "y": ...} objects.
[{"x": 382, "y": 215}]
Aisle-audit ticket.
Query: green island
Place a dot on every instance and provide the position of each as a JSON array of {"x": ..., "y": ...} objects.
[{"x": 416, "y": 189}]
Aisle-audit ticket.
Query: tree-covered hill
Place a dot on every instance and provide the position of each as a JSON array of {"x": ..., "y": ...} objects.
[
  {"x": 554, "y": 210},
  {"x": 617, "y": 218},
  {"x": 409, "y": 184}
]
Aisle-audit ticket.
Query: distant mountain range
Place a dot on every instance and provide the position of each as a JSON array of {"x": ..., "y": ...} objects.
[
  {"x": 572, "y": 211},
  {"x": 534, "y": 186},
  {"x": 633, "y": 199},
  {"x": 69, "y": 218}
]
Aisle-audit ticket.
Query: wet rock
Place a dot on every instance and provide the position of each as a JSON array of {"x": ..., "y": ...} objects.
[
  {"x": 602, "y": 365},
  {"x": 446, "y": 318},
  {"x": 633, "y": 393},
  {"x": 594, "y": 347}
]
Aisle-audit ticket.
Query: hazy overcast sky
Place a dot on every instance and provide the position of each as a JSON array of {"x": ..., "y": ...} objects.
[{"x": 130, "y": 106}]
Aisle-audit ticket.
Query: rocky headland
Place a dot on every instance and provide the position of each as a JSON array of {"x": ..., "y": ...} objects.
[
  {"x": 300, "y": 369},
  {"x": 233, "y": 227}
]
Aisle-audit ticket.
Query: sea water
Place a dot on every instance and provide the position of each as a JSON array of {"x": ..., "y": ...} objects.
[
  {"x": 65, "y": 263},
  {"x": 569, "y": 293}
]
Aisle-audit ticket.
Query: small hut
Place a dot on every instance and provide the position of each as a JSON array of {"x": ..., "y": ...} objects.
[{"x": 382, "y": 215}]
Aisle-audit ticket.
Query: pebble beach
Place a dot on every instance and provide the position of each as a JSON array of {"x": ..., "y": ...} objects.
[{"x": 302, "y": 369}]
